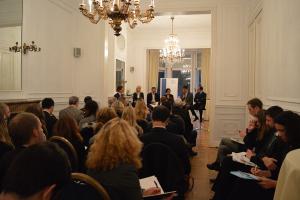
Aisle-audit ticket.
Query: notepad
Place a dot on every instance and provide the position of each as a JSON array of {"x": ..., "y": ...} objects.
[
  {"x": 151, "y": 182},
  {"x": 238, "y": 140},
  {"x": 241, "y": 158},
  {"x": 244, "y": 175}
]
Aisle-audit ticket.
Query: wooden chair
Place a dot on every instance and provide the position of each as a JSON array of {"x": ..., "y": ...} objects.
[
  {"x": 91, "y": 182},
  {"x": 68, "y": 148}
]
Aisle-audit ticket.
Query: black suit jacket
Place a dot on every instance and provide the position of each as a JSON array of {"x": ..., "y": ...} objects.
[
  {"x": 149, "y": 98},
  {"x": 176, "y": 143},
  {"x": 117, "y": 95},
  {"x": 50, "y": 121},
  {"x": 200, "y": 100},
  {"x": 135, "y": 97}
]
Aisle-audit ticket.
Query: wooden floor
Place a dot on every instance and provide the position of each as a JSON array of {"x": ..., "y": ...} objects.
[{"x": 202, "y": 187}]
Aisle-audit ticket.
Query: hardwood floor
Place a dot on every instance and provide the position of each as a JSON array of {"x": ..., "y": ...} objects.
[{"x": 202, "y": 187}]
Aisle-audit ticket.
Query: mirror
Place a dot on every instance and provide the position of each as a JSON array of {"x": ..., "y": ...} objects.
[
  {"x": 120, "y": 72},
  {"x": 11, "y": 17}
]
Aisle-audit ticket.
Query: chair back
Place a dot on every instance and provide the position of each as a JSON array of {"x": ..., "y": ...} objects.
[
  {"x": 68, "y": 148},
  {"x": 161, "y": 161},
  {"x": 92, "y": 184}
]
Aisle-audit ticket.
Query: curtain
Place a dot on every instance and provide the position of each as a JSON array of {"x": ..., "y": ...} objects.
[{"x": 153, "y": 68}]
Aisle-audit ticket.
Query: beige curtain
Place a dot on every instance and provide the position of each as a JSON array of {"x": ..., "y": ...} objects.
[{"x": 153, "y": 67}]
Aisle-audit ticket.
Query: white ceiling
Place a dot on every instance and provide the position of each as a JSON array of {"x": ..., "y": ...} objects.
[{"x": 201, "y": 21}]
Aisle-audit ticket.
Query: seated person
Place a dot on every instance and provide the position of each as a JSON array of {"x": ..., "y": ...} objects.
[
  {"x": 49, "y": 166},
  {"x": 227, "y": 145},
  {"x": 36, "y": 109},
  {"x": 137, "y": 95},
  {"x": 169, "y": 96},
  {"x": 25, "y": 130},
  {"x": 4, "y": 135},
  {"x": 72, "y": 110},
  {"x": 67, "y": 127},
  {"x": 288, "y": 127},
  {"x": 159, "y": 134},
  {"x": 113, "y": 160},
  {"x": 120, "y": 92},
  {"x": 86, "y": 100},
  {"x": 141, "y": 113},
  {"x": 129, "y": 116},
  {"x": 118, "y": 107},
  {"x": 91, "y": 109},
  {"x": 152, "y": 97},
  {"x": 50, "y": 119}
]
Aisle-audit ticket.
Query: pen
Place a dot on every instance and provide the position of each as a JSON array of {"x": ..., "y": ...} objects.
[{"x": 155, "y": 184}]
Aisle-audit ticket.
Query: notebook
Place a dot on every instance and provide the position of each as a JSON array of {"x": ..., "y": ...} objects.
[{"x": 244, "y": 175}]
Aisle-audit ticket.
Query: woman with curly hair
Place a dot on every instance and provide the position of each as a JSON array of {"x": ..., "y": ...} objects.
[{"x": 114, "y": 158}]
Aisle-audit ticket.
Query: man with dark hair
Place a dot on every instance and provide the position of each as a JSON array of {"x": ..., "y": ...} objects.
[
  {"x": 159, "y": 134},
  {"x": 25, "y": 130},
  {"x": 187, "y": 99},
  {"x": 152, "y": 97},
  {"x": 50, "y": 119},
  {"x": 200, "y": 102},
  {"x": 120, "y": 92},
  {"x": 72, "y": 111},
  {"x": 254, "y": 106},
  {"x": 37, "y": 173}
]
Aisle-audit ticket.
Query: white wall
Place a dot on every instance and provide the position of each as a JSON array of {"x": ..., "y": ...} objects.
[{"x": 277, "y": 70}]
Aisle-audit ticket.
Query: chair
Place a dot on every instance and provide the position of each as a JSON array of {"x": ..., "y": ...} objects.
[
  {"x": 82, "y": 187},
  {"x": 68, "y": 148},
  {"x": 161, "y": 161}
]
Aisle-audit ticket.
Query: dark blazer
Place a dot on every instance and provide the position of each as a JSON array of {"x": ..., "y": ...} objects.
[
  {"x": 121, "y": 182},
  {"x": 117, "y": 95},
  {"x": 200, "y": 100},
  {"x": 176, "y": 143},
  {"x": 50, "y": 120},
  {"x": 149, "y": 98},
  {"x": 188, "y": 99},
  {"x": 135, "y": 97}
]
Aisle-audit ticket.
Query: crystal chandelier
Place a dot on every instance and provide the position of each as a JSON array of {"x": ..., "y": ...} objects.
[
  {"x": 172, "y": 52},
  {"x": 117, "y": 11}
]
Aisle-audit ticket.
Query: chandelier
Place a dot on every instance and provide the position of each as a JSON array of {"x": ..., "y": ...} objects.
[
  {"x": 117, "y": 11},
  {"x": 172, "y": 52}
]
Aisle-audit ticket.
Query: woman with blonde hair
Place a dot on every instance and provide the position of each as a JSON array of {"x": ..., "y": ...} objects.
[
  {"x": 4, "y": 135},
  {"x": 129, "y": 116},
  {"x": 114, "y": 158},
  {"x": 141, "y": 112},
  {"x": 118, "y": 106}
]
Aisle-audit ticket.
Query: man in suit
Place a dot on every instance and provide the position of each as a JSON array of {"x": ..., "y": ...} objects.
[
  {"x": 120, "y": 92},
  {"x": 187, "y": 99},
  {"x": 50, "y": 119},
  {"x": 152, "y": 97},
  {"x": 200, "y": 101},
  {"x": 159, "y": 134},
  {"x": 137, "y": 95},
  {"x": 72, "y": 110}
]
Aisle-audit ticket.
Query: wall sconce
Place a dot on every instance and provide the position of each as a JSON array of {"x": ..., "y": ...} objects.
[
  {"x": 16, "y": 48},
  {"x": 25, "y": 48},
  {"x": 31, "y": 47}
]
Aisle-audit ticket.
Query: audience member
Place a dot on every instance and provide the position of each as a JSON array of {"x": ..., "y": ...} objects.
[
  {"x": 228, "y": 145},
  {"x": 137, "y": 95},
  {"x": 129, "y": 116},
  {"x": 38, "y": 173},
  {"x": 120, "y": 92},
  {"x": 91, "y": 109},
  {"x": 152, "y": 97},
  {"x": 200, "y": 102},
  {"x": 4, "y": 108},
  {"x": 4, "y": 135},
  {"x": 25, "y": 130},
  {"x": 118, "y": 107},
  {"x": 159, "y": 134},
  {"x": 141, "y": 112},
  {"x": 114, "y": 159},
  {"x": 72, "y": 110},
  {"x": 36, "y": 109},
  {"x": 50, "y": 119},
  {"x": 86, "y": 100},
  {"x": 67, "y": 127}
]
